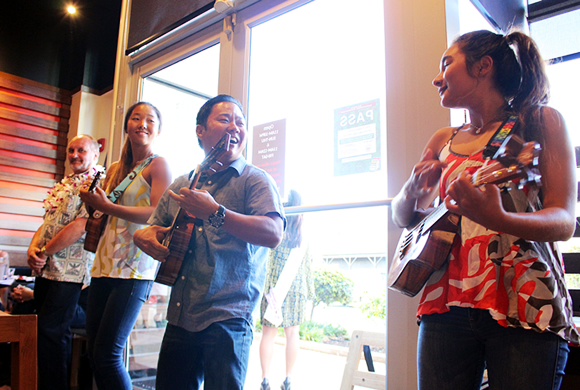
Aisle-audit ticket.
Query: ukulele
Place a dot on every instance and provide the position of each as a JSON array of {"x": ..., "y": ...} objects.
[
  {"x": 425, "y": 248},
  {"x": 96, "y": 222},
  {"x": 179, "y": 235}
]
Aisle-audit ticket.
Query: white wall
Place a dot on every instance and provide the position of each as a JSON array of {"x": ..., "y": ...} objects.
[
  {"x": 91, "y": 114},
  {"x": 415, "y": 40}
]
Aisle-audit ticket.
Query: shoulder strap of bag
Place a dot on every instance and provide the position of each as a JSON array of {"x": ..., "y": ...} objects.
[{"x": 118, "y": 191}]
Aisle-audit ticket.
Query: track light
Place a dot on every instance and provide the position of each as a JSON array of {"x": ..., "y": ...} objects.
[{"x": 222, "y": 6}]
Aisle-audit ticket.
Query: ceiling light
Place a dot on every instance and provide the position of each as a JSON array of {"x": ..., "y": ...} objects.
[{"x": 222, "y": 6}]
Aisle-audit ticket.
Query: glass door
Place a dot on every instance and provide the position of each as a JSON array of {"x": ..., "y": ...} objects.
[{"x": 317, "y": 123}]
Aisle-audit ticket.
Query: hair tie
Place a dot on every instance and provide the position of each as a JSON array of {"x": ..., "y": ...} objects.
[{"x": 514, "y": 48}]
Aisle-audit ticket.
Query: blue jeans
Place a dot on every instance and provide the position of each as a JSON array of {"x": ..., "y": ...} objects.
[
  {"x": 455, "y": 347},
  {"x": 112, "y": 309},
  {"x": 219, "y": 354},
  {"x": 56, "y": 304}
]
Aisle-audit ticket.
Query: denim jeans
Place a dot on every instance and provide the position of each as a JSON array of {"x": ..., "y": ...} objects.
[
  {"x": 112, "y": 309},
  {"x": 455, "y": 347},
  {"x": 219, "y": 354},
  {"x": 56, "y": 304}
]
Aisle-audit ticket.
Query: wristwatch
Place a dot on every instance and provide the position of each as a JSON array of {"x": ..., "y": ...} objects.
[
  {"x": 43, "y": 251},
  {"x": 217, "y": 219}
]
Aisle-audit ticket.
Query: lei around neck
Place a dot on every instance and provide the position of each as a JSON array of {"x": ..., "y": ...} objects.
[{"x": 69, "y": 185}]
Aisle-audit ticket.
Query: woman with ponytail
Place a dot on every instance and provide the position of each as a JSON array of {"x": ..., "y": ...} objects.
[
  {"x": 122, "y": 275},
  {"x": 500, "y": 302}
]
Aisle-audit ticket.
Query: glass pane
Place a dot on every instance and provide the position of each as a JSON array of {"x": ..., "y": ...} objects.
[
  {"x": 559, "y": 35},
  {"x": 470, "y": 19},
  {"x": 350, "y": 295},
  {"x": 564, "y": 84},
  {"x": 324, "y": 95},
  {"x": 317, "y": 123},
  {"x": 179, "y": 91}
]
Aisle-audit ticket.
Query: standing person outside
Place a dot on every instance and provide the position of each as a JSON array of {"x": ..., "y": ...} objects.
[
  {"x": 239, "y": 214},
  {"x": 61, "y": 265},
  {"x": 501, "y": 301},
  {"x": 122, "y": 275},
  {"x": 293, "y": 248}
]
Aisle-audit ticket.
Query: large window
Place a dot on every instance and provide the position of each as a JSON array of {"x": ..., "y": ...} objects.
[
  {"x": 317, "y": 121},
  {"x": 326, "y": 91},
  {"x": 558, "y": 38},
  {"x": 179, "y": 91},
  {"x": 326, "y": 102}
]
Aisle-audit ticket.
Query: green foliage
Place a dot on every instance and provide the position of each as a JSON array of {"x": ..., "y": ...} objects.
[
  {"x": 313, "y": 331},
  {"x": 572, "y": 280},
  {"x": 375, "y": 306},
  {"x": 335, "y": 331},
  {"x": 332, "y": 286}
]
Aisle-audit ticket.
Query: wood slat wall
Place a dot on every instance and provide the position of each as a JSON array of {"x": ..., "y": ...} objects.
[{"x": 34, "y": 123}]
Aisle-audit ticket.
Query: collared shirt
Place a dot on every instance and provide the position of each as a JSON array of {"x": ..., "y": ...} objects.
[
  {"x": 63, "y": 205},
  {"x": 222, "y": 277}
]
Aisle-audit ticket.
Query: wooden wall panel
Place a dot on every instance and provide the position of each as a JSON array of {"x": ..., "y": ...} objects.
[
  {"x": 60, "y": 140},
  {"x": 33, "y": 137}
]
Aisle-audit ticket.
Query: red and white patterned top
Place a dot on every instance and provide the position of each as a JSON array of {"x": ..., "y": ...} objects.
[{"x": 520, "y": 282}]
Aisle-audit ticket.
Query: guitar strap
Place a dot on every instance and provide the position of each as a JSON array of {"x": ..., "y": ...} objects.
[
  {"x": 495, "y": 143},
  {"x": 491, "y": 149},
  {"x": 500, "y": 135},
  {"x": 118, "y": 191}
]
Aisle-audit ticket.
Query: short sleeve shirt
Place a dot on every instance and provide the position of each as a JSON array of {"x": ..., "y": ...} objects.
[
  {"x": 71, "y": 264},
  {"x": 222, "y": 277}
]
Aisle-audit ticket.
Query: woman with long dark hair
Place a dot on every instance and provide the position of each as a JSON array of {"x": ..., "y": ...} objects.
[
  {"x": 122, "y": 274},
  {"x": 500, "y": 302}
]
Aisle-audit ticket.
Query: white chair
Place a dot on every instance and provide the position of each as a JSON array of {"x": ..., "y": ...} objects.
[{"x": 352, "y": 376}]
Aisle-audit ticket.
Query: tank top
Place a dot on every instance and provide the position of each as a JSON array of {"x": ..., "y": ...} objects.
[
  {"x": 520, "y": 282},
  {"x": 117, "y": 256}
]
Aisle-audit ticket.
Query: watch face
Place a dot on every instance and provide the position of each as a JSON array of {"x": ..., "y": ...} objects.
[{"x": 217, "y": 219}]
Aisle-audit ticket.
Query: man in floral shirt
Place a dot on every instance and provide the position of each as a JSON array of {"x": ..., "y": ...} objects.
[{"x": 62, "y": 266}]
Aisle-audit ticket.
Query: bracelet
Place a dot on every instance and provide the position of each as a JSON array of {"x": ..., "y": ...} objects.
[{"x": 43, "y": 251}]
